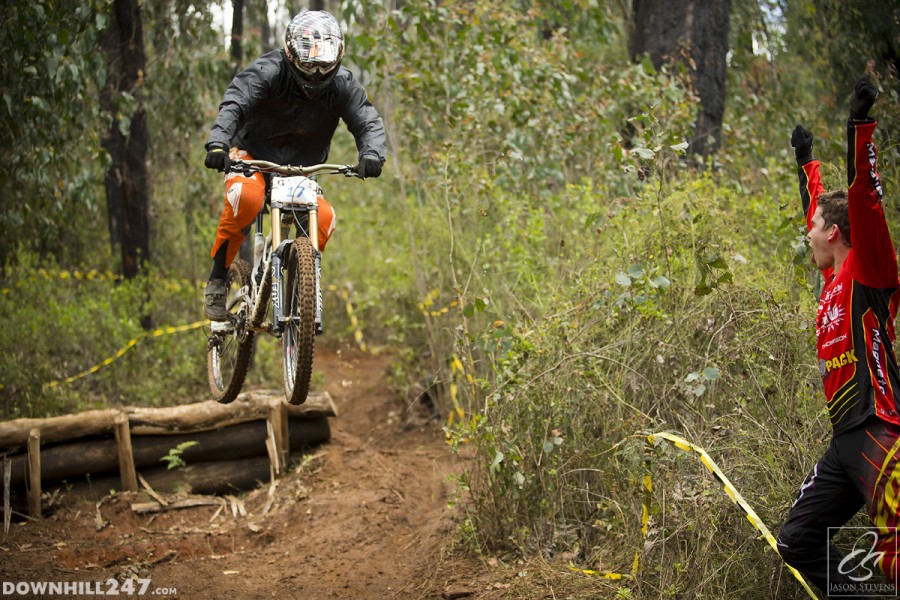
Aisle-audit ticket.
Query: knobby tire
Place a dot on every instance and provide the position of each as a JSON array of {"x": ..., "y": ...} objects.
[
  {"x": 227, "y": 362},
  {"x": 298, "y": 342}
]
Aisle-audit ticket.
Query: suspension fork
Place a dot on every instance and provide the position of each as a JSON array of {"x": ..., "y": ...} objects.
[
  {"x": 277, "y": 280},
  {"x": 278, "y": 317},
  {"x": 317, "y": 258}
]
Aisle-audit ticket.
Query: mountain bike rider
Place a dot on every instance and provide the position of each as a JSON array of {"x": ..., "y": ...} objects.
[
  {"x": 855, "y": 337},
  {"x": 285, "y": 108}
]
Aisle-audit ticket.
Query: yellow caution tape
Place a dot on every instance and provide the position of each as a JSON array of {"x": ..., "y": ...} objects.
[
  {"x": 95, "y": 275},
  {"x": 131, "y": 344},
  {"x": 729, "y": 488},
  {"x": 456, "y": 368},
  {"x": 426, "y": 304},
  {"x": 354, "y": 322},
  {"x": 357, "y": 333},
  {"x": 612, "y": 576}
]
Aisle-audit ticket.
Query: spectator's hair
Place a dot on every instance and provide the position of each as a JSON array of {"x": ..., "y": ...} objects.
[{"x": 835, "y": 212}]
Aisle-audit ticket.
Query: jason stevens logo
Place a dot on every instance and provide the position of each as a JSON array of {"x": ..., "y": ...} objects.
[{"x": 859, "y": 570}]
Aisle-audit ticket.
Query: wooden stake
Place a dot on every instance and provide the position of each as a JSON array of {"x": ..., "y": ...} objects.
[
  {"x": 127, "y": 473},
  {"x": 276, "y": 430},
  {"x": 285, "y": 435},
  {"x": 34, "y": 473},
  {"x": 7, "y": 472}
]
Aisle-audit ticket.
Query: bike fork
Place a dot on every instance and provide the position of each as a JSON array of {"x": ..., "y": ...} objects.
[
  {"x": 277, "y": 287},
  {"x": 318, "y": 260}
]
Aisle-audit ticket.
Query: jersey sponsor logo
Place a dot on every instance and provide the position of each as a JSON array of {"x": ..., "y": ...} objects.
[
  {"x": 834, "y": 341},
  {"x": 878, "y": 373},
  {"x": 832, "y": 293},
  {"x": 831, "y": 318},
  {"x": 843, "y": 359},
  {"x": 874, "y": 179}
]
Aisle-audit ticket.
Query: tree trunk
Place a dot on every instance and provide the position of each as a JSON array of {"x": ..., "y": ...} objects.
[
  {"x": 316, "y": 4},
  {"x": 127, "y": 183},
  {"x": 694, "y": 33},
  {"x": 259, "y": 19},
  {"x": 127, "y": 192},
  {"x": 237, "y": 33}
]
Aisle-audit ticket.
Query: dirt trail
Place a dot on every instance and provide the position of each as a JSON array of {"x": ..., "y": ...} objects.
[{"x": 365, "y": 517}]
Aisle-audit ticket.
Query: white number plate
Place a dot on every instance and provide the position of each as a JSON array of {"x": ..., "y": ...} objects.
[{"x": 295, "y": 190}]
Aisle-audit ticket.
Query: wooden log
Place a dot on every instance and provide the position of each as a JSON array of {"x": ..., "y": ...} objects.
[
  {"x": 200, "y": 478},
  {"x": 143, "y": 508},
  {"x": 127, "y": 474},
  {"x": 203, "y": 416},
  {"x": 210, "y": 477},
  {"x": 34, "y": 473},
  {"x": 73, "y": 460},
  {"x": 200, "y": 416},
  {"x": 93, "y": 422}
]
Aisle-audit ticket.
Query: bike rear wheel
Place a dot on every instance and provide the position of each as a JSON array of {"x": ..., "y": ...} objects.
[
  {"x": 298, "y": 341},
  {"x": 229, "y": 352}
]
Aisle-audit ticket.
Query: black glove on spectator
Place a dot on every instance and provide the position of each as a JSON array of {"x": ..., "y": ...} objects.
[
  {"x": 802, "y": 142},
  {"x": 369, "y": 166},
  {"x": 863, "y": 98},
  {"x": 217, "y": 158}
]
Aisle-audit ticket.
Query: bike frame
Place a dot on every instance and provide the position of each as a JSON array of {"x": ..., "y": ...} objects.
[
  {"x": 292, "y": 196},
  {"x": 269, "y": 259}
]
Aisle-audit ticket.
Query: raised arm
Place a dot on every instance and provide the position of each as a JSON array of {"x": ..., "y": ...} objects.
[
  {"x": 875, "y": 261},
  {"x": 807, "y": 171},
  {"x": 808, "y": 174}
]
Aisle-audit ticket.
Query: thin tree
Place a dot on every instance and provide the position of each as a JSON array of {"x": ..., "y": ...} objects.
[
  {"x": 695, "y": 33},
  {"x": 237, "y": 34},
  {"x": 127, "y": 184}
]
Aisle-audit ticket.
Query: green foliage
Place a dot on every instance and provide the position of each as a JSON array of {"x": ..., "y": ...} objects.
[
  {"x": 63, "y": 323},
  {"x": 49, "y": 126},
  {"x": 539, "y": 247},
  {"x": 174, "y": 459}
]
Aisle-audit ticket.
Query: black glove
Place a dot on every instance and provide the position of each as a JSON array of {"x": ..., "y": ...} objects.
[
  {"x": 217, "y": 158},
  {"x": 802, "y": 142},
  {"x": 863, "y": 98},
  {"x": 369, "y": 166}
]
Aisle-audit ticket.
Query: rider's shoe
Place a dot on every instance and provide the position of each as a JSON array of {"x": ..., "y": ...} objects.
[{"x": 214, "y": 300}]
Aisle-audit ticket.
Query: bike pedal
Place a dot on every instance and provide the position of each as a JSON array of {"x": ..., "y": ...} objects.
[{"x": 221, "y": 326}]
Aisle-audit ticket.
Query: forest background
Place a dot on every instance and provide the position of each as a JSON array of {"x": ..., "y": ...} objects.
[{"x": 588, "y": 228}]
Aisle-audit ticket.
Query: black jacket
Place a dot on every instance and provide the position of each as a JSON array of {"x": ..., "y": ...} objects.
[{"x": 265, "y": 112}]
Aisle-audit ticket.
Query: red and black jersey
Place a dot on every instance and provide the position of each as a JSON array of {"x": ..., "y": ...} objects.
[{"x": 855, "y": 320}]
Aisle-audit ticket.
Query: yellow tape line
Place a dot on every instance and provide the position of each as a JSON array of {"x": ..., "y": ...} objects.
[
  {"x": 729, "y": 489},
  {"x": 456, "y": 368},
  {"x": 354, "y": 322},
  {"x": 131, "y": 344},
  {"x": 599, "y": 574},
  {"x": 426, "y": 304},
  {"x": 357, "y": 333},
  {"x": 95, "y": 275}
]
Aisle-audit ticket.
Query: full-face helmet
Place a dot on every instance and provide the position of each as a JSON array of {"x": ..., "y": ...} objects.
[{"x": 314, "y": 45}]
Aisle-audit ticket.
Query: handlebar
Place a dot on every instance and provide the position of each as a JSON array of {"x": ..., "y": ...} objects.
[{"x": 264, "y": 166}]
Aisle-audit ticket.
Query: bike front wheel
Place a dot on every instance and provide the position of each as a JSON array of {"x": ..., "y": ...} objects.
[
  {"x": 229, "y": 351},
  {"x": 298, "y": 341}
]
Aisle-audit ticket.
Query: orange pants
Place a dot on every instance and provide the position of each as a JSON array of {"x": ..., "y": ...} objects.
[{"x": 244, "y": 197}]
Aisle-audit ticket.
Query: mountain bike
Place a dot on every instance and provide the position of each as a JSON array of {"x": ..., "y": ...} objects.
[{"x": 286, "y": 271}]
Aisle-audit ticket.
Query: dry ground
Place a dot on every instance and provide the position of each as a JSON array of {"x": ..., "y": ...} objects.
[{"x": 364, "y": 516}]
